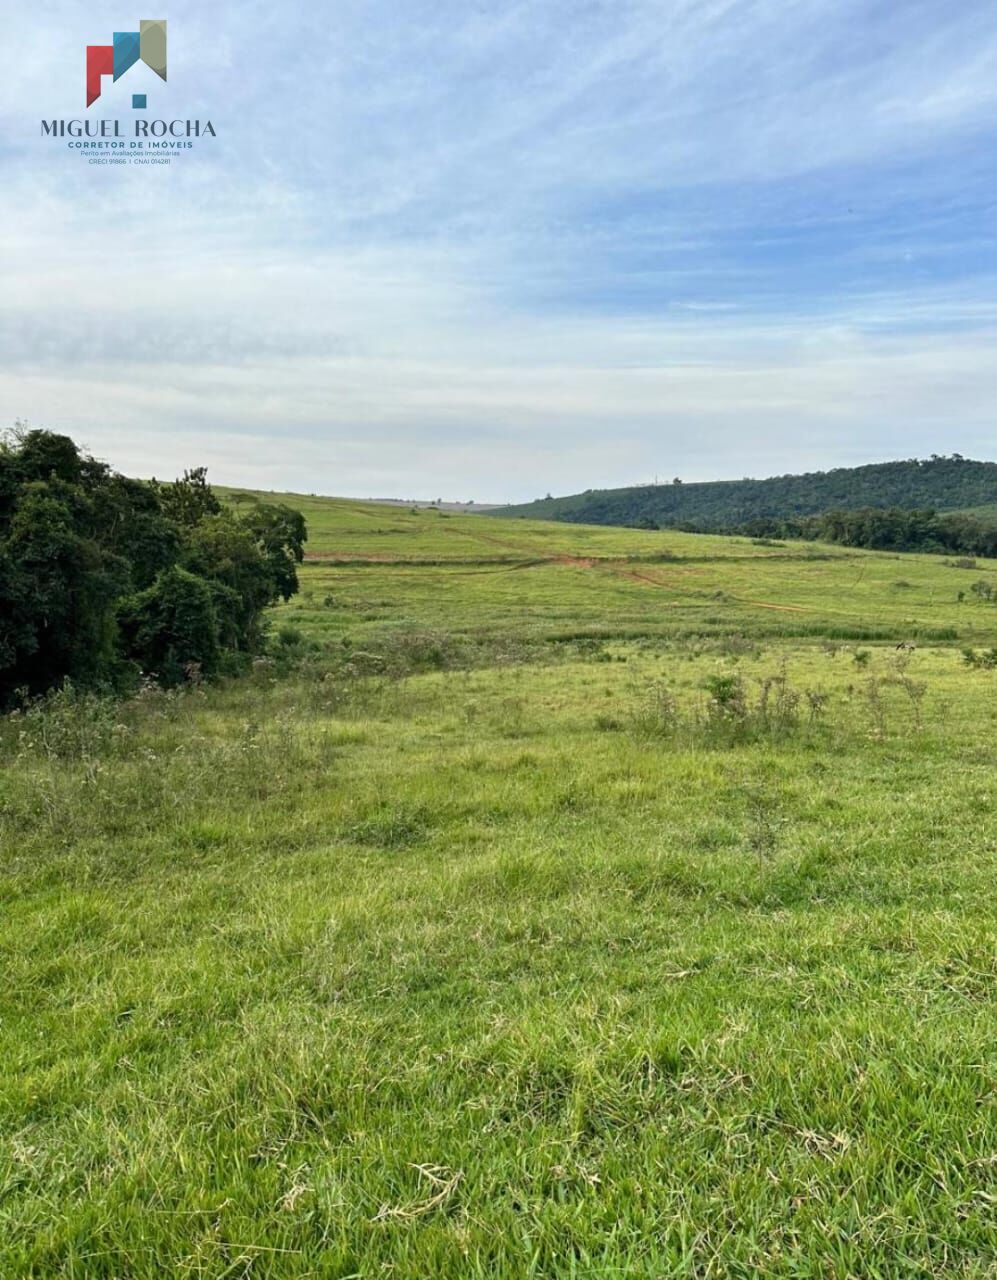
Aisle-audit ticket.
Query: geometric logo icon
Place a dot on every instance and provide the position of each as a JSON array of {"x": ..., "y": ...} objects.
[{"x": 147, "y": 45}]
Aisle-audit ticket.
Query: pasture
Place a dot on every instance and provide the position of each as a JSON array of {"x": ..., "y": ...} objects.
[{"x": 555, "y": 902}]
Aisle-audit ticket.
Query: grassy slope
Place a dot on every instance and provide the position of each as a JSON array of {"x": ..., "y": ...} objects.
[
  {"x": 371, "y": 572},
  {"x": 463, "y": 974}
]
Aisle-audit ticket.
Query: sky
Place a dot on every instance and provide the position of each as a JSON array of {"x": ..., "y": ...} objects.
[{"x": 489, "y": 249}]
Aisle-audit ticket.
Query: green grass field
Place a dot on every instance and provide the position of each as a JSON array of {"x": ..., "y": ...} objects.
[{"x": 556, "y": 902}]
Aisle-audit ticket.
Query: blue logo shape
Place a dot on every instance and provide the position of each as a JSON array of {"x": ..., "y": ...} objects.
[{"x": 127, "y": 50}]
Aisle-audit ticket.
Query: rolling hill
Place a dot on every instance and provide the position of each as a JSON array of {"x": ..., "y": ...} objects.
[{"x": 942, "y": 483}]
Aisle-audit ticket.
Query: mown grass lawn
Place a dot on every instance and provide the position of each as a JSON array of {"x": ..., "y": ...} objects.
[{"x": 473, "y": 948}]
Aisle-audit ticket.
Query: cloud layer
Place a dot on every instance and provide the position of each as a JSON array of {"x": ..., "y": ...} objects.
[{"x": 489, "y": 250}]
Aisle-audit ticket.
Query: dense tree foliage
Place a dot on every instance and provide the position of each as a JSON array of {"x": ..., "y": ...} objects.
[
  {"x": 890, "y": 530},
  {"x": 939, "y": 484},
  {"x": 102, "y": 576}
]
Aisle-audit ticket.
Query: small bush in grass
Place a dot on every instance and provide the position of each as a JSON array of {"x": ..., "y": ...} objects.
[
  {"x": 765, "y": 824},
  {"x": 876, "y": 697},
  {"x": 593, "y": 650},
  {"x": 730, "y": 713},
  {"x": 737, "y": 711},
  {"x": 657, "y": 714},
  {"x": 288, "y": 635},
  {"x": 287, "y": 650},
  {"x": 68, "y": 724},
  {"x": 728, "y": 702},
  {"x": 778, "y": 702},
  {"x": 984, "y": 660},
  {"x": 737, "y": 645},
  {"x": 914, "y": 690}
]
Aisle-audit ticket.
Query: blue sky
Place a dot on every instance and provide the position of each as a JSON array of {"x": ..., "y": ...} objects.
[{"x": 487, "y": 250}]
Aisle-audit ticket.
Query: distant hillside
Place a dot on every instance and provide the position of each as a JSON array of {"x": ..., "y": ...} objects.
[
  {"x": 944, "y": 484},
  {"x": 986, "y": 512}
]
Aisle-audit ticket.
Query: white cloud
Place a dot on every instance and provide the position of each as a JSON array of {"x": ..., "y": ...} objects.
[{"x": 499, "y": 249}]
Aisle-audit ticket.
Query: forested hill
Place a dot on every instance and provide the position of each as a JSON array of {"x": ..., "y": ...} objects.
[{"x": 942, "y": 484}]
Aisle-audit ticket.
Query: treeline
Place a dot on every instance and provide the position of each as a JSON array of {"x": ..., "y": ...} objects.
[
  {"x": 103, "y": 578},
  {"x": 937, "y": 483},
  {"x": 891, "y": 530}
]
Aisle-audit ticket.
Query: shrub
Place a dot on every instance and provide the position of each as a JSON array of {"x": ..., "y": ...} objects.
[
  {"x": 173, "y": 624},
  {"x": 657, "y": 713},
  {"x": 985, "y": 660},
  {"x": 68, "y": 724},
  {"x": 730, "y": 714},
  {"x": 289, "y": 636},
  {"x": 727, "y": 701}
]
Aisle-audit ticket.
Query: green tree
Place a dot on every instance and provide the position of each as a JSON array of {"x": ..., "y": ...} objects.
[
  {"x": 59, "y": 588},
  {"x": 189, "y": 500},
  {"x": 280, "y": 535},
  {"x": 173, "y": 627},
  {"x": 99, "y": 572}
]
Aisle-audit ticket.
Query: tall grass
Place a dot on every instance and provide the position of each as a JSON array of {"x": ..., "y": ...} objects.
[{"x": 449, "y": 951}]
